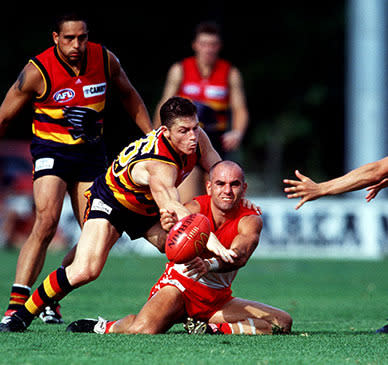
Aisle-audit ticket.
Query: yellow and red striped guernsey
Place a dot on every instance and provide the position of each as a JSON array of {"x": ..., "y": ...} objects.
[
  {"x": 154, "y": 146},
  {"x": 64, "y": 87}
]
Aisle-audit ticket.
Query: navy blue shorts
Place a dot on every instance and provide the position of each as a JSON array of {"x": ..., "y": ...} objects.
[
  {"x": 101, "y": 204},
  {"x": 79, "y": 163}
]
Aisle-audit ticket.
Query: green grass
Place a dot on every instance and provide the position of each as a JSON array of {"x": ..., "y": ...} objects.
[{"x": 336, "y": 307}]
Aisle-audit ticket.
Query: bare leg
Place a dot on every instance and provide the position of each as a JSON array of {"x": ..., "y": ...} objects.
[
  {"x": 160, "y": 313},
  {"x": 97, "y": 238},
  {"x": 78, "y": 202},
  {"x": 250, "y": 317},
  {"x": 49, "y": 192}
]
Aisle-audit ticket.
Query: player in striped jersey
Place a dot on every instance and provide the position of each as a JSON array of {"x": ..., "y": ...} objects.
[
  {"x": 201, "y": 289},
  {"x": 142, "y": 180},
  {"x": 67, "y": 86}
]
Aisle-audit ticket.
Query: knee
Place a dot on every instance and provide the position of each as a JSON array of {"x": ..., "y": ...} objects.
[
  {"x": 46, "y": 224},
  {"x": 79, "y": 276}
]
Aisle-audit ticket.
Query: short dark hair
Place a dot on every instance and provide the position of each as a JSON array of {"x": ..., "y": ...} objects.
[
  {"x": 69, "y": 17},
  {"x": 208, "y": 27},
  {"x": 176, "y": 107}
]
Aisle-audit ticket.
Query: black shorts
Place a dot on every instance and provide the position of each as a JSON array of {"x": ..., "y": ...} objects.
[
  {"x": 100, "y": 205},
  {"x": 80, "y": 163}
]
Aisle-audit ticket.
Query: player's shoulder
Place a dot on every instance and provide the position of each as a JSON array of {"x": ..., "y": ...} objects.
[{"x": 251, "y": 222}]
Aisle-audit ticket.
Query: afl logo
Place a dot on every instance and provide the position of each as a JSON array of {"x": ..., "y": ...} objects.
[{"x": 64, "y": 95}]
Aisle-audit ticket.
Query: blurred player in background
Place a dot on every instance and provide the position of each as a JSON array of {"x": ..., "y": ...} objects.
[
  {"x": 201, "y": 289},
  {"x": 127, "y": 198},
  {"x": 216, "y": 87},
  {"x": 372, "y": 176},
  {"x": 67, "y": 87}
]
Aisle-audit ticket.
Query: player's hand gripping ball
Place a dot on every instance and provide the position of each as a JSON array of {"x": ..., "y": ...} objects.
[{"x": 187, "y": 238}]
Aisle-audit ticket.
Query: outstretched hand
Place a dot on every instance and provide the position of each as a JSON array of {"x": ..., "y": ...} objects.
[
  {"x": 304, "y": 188},
  {"x": 374, "y": 189}
]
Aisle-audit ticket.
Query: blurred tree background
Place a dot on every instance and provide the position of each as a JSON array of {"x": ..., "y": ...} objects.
[{"x": 291, "y": 55}]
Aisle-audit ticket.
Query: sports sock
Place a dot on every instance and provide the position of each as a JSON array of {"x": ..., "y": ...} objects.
[
  {"x": 54, "y": 287},
  {"x": 109, "y": 324},
  {"x": 19, "y": 295},
  {"x": 224, "y": 328}
]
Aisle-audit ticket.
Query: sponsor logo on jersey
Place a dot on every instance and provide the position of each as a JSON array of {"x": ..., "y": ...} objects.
[
  {"x": 64, "y": 95},
  {"x": 94, "y": 90},
  {"x": 215, "y": 92},
  {"x": 191, "y": 89}
]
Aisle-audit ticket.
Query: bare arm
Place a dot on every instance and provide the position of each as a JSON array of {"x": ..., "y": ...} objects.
[
  {"x": 243, "y": 246},
  {"x": 240, "y": 115},
  {"x": 171, "y": 87},
  {"x": 161, "y": 178},
  {"x": 28, "y": 85},
  {"x": 130, "y": 98},
  {"x": 359, "y": 178}
]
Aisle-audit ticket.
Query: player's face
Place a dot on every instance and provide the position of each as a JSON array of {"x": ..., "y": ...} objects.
[
  {"x": 71, "y": 41},
  {"x": 227, "y": 187},
  {"x": 184, "y": 134},
  {"x": 206, "y": 47}
]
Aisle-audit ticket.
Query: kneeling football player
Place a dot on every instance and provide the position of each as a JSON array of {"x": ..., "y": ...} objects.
[{"x": 199, "y": 292}]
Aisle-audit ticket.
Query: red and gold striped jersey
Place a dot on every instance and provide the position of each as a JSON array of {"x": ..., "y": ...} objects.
[
  {"x": 63, "y": 87},
  {"x": 154, "y": 146}
]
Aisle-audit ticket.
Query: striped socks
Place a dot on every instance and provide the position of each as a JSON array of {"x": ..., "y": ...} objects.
[
  {"x": 54, "y": 288},
  {"x": 19, "y": 295}
]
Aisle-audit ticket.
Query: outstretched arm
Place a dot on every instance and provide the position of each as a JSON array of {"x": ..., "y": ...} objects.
[{"x": 359, "y": 178}]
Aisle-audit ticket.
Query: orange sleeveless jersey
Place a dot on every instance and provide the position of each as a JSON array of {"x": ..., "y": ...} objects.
[
  {"x": 63, "y": 87},
  {"x": 154, "y": 146},
  {"x": 212, "y": 92},
  {"x": 229, "y": 230}
]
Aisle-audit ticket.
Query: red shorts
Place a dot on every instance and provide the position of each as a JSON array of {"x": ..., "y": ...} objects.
[{"x": 201, "y": 302}]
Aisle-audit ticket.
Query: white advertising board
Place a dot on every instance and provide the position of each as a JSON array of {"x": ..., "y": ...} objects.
[{"x": 337, "y": 228}]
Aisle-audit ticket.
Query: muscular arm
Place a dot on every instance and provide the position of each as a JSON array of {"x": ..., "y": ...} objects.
[
  {"x": 246, "y": 241},
  {"x": 28, "y": 84},
  {"x": 357, "y": 179},
  {"x": 171, "y": 87},
  {"x": 240, "y": 115},
  {"x": 130, "y": 98},
  {"x": 160, "y": 177}
]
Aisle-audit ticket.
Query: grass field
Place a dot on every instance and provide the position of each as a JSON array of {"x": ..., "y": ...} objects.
[{"x": 336, "y": 307}]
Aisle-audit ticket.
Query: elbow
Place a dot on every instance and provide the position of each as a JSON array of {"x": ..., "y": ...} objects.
[{"x": 241, "y": 261}]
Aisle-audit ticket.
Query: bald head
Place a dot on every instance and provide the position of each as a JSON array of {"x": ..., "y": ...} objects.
[
  {"x": 227, "y": 165},
  {"x": 226, "y": 185}
]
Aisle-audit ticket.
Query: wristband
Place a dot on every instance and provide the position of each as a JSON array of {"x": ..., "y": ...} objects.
[{"x": 214, "y": 264}]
